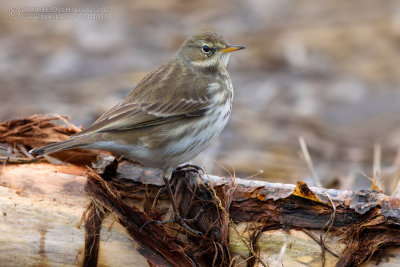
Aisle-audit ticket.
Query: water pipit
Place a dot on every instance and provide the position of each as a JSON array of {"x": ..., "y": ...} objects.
[{"x": 171, "y": 115}]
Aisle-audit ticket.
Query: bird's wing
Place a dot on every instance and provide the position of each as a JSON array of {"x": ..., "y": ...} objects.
[{"x": 170, "y": 93}]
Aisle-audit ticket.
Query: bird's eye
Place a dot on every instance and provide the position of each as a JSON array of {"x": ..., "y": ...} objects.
[{"x": 206, "y": 49}]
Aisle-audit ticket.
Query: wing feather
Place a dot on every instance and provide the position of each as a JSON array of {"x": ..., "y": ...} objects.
[{"x": 159, "y": 98}]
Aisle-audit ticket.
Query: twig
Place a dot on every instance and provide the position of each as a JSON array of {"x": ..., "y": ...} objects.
[
  {"x": 308, "y": 160},
  {"x": 24, "y": 151},
  {"x": 318, "y": 242},
  {"x": 226, "y": 214},
  {"x": 70, "y": 125},
  {"x": 376, "y": 167},
  {"x": 282, "y": 251}
]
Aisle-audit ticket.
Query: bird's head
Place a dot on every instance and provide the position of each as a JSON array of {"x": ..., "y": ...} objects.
[{"x": 207, "y": 50}]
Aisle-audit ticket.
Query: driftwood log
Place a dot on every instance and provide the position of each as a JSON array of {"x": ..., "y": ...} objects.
[{"x": 75, "y": 210}]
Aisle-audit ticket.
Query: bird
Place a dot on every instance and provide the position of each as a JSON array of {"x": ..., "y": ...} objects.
[{"x": 171, "y": 115}]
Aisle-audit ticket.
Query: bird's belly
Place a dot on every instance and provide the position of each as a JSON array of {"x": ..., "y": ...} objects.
[
  {"x": 198, "y": 136},
  {"x": 144, "y": 155},
  {"x": 170, "y": 147}
]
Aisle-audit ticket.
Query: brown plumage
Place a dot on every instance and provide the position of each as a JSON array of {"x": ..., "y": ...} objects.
[{"x": 172, "y": 114}]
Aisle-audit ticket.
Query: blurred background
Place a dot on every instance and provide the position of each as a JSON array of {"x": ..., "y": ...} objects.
[{"x": 327, "y": 71}]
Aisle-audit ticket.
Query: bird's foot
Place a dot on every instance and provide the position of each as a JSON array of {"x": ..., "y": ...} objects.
[
  {"x": 184, "y": 167},
  {"x": 190, "y": 167},
  {"x": 183, "y": 222},
  {"x": 177, "y": 217}
]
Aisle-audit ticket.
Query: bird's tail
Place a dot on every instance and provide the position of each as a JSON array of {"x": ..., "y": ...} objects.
[{"x": 56, "y": 147}]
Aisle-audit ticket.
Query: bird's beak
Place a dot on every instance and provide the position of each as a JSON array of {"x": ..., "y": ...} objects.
[{"x": 232, "y": 48}]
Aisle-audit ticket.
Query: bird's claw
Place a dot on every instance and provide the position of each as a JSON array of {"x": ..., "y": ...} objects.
[{"x": 190, "y": 167}]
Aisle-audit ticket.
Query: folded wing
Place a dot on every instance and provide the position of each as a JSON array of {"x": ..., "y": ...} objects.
[{"x": 170, "y": 93}]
